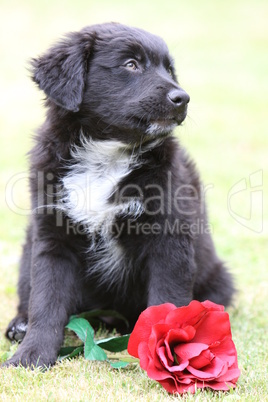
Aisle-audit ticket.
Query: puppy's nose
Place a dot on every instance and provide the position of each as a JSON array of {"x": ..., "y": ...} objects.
[{"x": 179, "y": 97}]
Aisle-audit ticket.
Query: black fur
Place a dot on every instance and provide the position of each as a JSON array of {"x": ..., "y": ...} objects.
[{"x": 112, "y": 82}]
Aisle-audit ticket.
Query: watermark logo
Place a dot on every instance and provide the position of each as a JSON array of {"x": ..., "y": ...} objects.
[
  {"x": 82, "y": 199},
  {"x": 245, "y": 202}
]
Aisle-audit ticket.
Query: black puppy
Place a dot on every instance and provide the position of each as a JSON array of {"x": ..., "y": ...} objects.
[{"x": 118, "y": 219}]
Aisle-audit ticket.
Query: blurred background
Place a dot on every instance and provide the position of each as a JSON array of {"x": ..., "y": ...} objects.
[{"x": 221, "y": 53}]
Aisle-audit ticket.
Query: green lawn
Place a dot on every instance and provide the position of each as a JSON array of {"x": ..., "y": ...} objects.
[{"x": 221, "y": 53}]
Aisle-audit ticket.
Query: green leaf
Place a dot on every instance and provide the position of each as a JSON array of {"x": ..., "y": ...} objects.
[
  {"x": 81, "y": 327},
  {"x": 93, "y": 351},
  {"x": 114, "y": 344},
  {"x": 118, "y": 365},
  {"x": 69, "y": 352}
]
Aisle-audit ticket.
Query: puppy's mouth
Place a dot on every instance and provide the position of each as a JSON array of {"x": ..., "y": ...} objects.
[{"x": 164, "y": 126}]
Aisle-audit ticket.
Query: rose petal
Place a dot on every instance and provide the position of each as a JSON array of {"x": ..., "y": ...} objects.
[
  {"x": 213, "y": 327},
  {"x": 158, "y": 359},
  {"x": 202, "y": 360},
  {"x": 187, "y": 351},
  {"x": 142, "y": 330},
  {"x": 156, "y": 374},
  {"x": 225, "y": 350},
  {"x": 175, "y": 387},
  {"x": 168, "y": 364},
  {"x": 180, "y": 367},
  {"x": 170, "y": 385},
  {"x": 216, "y": 368},
  {"x": 164, "y": 358},
  {"x": 182, "y": 379},
  {"x": 143, "y": 354},
  {"x": 157, "y": 336},
  {"x": 231, "y": 375},
  {"x": 175, "y": 336},
  {"x": 186, "y": 315},
  {"x": 156, "y": 340},
  {"x": 212, "y": 306}
]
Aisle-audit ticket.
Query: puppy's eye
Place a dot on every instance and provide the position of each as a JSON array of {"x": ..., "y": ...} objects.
[
  {"x": 170, "y": 71},
  {"x": 131, "y": 65}
]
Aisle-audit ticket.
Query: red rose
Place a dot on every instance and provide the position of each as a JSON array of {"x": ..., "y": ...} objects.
[{"x": 187, "y": 347}]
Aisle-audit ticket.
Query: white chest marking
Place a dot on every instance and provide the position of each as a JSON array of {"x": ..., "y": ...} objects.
[{"x": 93, "y": 179}]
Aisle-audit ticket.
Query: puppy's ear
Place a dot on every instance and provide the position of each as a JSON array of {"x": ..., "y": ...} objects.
[{"x": 61, "y": 72}]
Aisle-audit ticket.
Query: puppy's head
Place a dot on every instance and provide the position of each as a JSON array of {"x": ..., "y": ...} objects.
[{"x": 121, "y": 77}]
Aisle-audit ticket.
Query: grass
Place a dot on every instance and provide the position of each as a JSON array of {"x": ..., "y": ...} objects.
[{"x": 220, "y": 50}]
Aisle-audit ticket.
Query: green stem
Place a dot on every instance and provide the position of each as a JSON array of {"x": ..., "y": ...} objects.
[{"x": 123, "y": 358}]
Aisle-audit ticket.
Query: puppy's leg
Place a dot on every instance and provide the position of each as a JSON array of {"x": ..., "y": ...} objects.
[
  {"x": 53, "y": 294},
  {"x": 16, "y": 329},
  {"x": 213, "y": 281},
  {"x": 172, "y": 271}
]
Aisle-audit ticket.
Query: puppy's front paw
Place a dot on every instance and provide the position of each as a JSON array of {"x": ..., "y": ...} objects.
[
  {"x": 30, "y": 358},
  {"x": 17, "y": 328}
]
